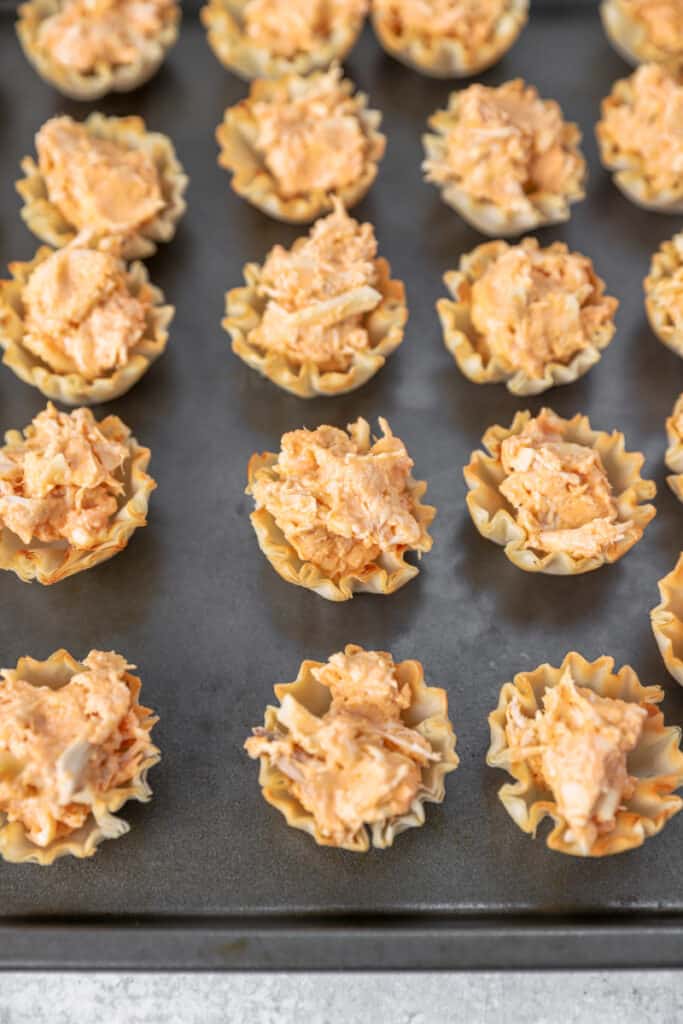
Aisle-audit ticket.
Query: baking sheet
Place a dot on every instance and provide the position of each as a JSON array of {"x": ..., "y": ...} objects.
[{"x": 209, "y": 874}]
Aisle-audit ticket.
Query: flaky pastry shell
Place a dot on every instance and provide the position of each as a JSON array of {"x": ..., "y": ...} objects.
[
  {"x": 628, "y": 36},
  {"x": 489, "y": 218},
  {"x": 666, "y": 262},
  {"x": 656, "y": 762},
  {"x": 105, "y": 78},
  {"x": 236, "y": 137},
  {"x": 462, "y": 339},
  {"x": 44, "y": 219},
  {"x": 244, "y": 309},
  {"x": 225, "y": 32},
  {"x": 427, "y": 714},
  {"x": 667, "y": 621},
  {"x": 674, "y": 453},
  {"x": 389, "y": 573},
  {"x": 73, "y": 388},
  {"x": 51, "y": 562},
  {"x": 494, "y": 517},
  {"x": 15, "y": 846},
  {"x": 441, "y": 57}
]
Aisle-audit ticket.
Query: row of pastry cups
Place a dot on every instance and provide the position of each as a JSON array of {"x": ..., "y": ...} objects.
[{"x": 656, "y": 763}]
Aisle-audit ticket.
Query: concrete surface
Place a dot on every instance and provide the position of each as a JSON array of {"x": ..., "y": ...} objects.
[{"x": 628, "y": 997}]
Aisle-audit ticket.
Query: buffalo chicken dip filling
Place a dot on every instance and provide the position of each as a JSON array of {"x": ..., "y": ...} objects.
[
  {"x": 472, "y": 23},
  {"x": 577, "y": 747},
  {"x": 97, "y": 183},
  {"x": 86, "y": 34},
  {"x": 310, "y": 135},
  {"x": 341, "y": 507},
  {"x": 536, "y": 306},
  {"x": 506, "y": 146},
  {"x": 63, "y": 479},
  {"x": 660, "y": 20},
  {"x": 559, "y": 490},
  {"x": 60, "y": 748},
  {"x": 318, "y": 293},
  {"x": 79, "y": 313},
  {"x": 357, "y": 764},
  {"x": 285, "y": 28}
]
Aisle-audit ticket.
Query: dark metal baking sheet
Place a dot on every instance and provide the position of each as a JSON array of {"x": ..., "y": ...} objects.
[{"x": 209, "y": 875}]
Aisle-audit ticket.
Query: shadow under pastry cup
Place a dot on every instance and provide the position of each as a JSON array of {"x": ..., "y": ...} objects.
[
  {"x": 674, "y": 453},
  {"x": 494, "y": 516},
  {"x": 105, "y": 77},
  {"x": 656, "y": 763},
  {"x": 437, "y": 54},
  {"x": 101, "y": 824},
  {"x": 468, "y": 348},
  {"x": 43, "y": 217},
  {"x": 629, "y": 35},
  {"x": 667, "y": 621},
  {"x": 73, "y": 388},
  {"x": 224, "y": 23},
  {"x": 427, "y": 714},
  {"x": 664, "y": 294},
  {"x": 239, "y": 154}
]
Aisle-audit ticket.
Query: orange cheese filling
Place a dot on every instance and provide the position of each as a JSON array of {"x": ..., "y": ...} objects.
[
  {"x": 86, "y": 34},
  {"x": 285, "y": 28},
  {"x": 80, "y": 316},
  {"x": 61, "y": 749},
  {"x": 62, "y": 480},
  {"x": 577, "y": 747},
  {"x": 470, "y": 22},
  {"x": 559, "y": 490},
  {"x": 507, "y": 146},
  {"x": 357, "y": 764},
  {"x": 310, "y": 135},
  {"x": 661, "y": 21},
  {"x": 536, "y": 306},
  {"x": 318, "y": 293},
  {"x": 96, "y": 183},
  {"x": 339, "y": 507}
]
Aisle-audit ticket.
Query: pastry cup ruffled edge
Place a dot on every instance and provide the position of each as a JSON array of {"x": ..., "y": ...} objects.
[
  {"x": 388, "y": 574},
  {"x": 493, "y": 516},
  {"x": 674, "y": 453},
  {"x": 460, "y": 336},
  {"x": 50, "y": 563},
  {"x": 427, "y": 714},
  {"x": 73, "y": 388},
  {"x": 102, "y": 824},
  {"x": 666, "y": 619},
  {"x": 546, "y": 208},
  {"x": 627, "y": 173},
  {"x": 253, "y": 182},
  {"x": 44, "y": 219},
  {"x": 239, "y": 55},
  {"x": 628, "y": 38},
  {"x": 384, "y": 324},
  {"x": 656, "y": 762},
  {"x": 106, "y": 78},
  {"x": 441, "y": 57},
  {"x": 665, "y": 261}
]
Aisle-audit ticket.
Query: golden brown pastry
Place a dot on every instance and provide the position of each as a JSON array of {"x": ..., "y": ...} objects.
[
  {"x": 504, "y": 158},
  {"x": 588, "y": 748},
  {"x": 337, "y": 513},
  {"x": 448, "y": 39},
  {"x": 72, "y": 492},
  {"x": 270, "y": 38},
  {"x": 296, "y": 143},
  {"x": 80, "y": 325},
  {"x": 664, "y": 293},
  {"x": 667, "y": 621},
  {"x": 561, "y": 497},
  {"x": 529, "y": 316},
  {"x": 356, "y": 747},
  {"x": 322, "y": 317},
  {"x": 644, "y": 30},
  {"x": 75, "y": 746},
  {"x": 108, "y": 176},
  {"x": 640, "y": 140}
]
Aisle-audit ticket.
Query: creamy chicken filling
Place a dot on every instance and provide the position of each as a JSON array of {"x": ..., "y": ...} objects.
[
  {"x": 661, "y": 21},
  {"x": 285, "y": 28},
  {"x": 472, "y": 23}
]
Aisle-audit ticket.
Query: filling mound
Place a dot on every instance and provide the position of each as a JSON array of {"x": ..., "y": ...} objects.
[
  {"x": 661, "y": 21},
  {"x": 472, "y": 23},
  {"x": 285, "y": 28}
]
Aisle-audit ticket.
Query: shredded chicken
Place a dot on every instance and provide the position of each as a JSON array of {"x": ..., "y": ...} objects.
[
  {"x": 310, "y": 135},
  {"x": 63, "y": 748},
  {"x": 559, "y": 490},
  {"x": 660, "y": 20},
  {"x": 577, "y": 747},
  {"x": 63, "y": 479},
  {"x": 318, "y": 293},
  {"x": 358, "y": 763},
  {"x": 96, "y": 183},
  {"x": 80, "y": 315},
  {"x": 285, "y": 28},
  {"x": 507, "y": 146},
  {"x": 472, "y": 23},
  {"x": 83, "y": 35},
  {"x": 536, "y": 306},
  {"x": 341, "y": 507}
]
